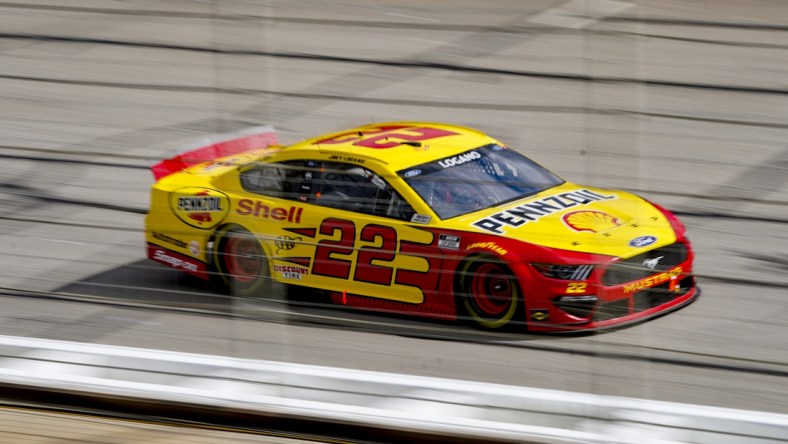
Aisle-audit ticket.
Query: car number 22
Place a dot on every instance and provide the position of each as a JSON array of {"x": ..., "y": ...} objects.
[{"x": 375, "y": 259}]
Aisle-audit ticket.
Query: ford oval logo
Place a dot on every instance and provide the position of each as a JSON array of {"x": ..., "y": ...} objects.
[
  {"x": 642, "y": 241},
  {"x": 411, "y": 173}
]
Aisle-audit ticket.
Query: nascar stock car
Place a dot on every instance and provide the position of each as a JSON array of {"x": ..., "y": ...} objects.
[{"x": 431, "y": 219}]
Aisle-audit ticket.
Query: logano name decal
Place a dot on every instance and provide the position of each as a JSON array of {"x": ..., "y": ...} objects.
[
  {"x": 459, "y": 160},
  {"x": 532, "y": 211},
  {"x": 256, "y": 208}
]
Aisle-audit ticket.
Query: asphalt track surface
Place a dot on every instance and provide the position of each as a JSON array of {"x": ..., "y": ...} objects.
[{"x": 681, "y": 102}]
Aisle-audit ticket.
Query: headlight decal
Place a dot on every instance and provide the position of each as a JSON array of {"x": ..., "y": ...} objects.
[{"x": 565, "y": 272}]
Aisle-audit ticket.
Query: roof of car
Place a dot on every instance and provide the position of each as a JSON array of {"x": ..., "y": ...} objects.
[{"x": 399, "y": 144}]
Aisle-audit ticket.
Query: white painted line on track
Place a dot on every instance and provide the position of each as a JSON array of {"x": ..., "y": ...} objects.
[
  {"x": 62, "y": 241},
  {"x": 426, "y": 19},
  {"x": 132, "y": 320}
]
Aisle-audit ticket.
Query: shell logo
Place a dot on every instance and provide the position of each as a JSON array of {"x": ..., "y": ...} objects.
[{"x": 593, "y": 221}]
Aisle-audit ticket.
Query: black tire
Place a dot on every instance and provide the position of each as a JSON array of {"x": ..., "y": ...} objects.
[
  {"x": 489, "y": 294},
  {"x": 242, "y": 268}
]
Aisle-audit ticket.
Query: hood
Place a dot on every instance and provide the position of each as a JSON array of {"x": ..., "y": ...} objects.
[{"x": 577, "y": 218}]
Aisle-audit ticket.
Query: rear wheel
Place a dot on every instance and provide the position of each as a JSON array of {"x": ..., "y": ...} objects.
[
  {"x": 489, "y": 292},
  {"x": 241, "y": 263}
]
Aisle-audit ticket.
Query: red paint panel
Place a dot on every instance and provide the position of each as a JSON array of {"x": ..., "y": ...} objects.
[
  {"x": 392, "y": 139},
  {"x": 326, "y": 262},
  {"x": 366, "y": 271}
]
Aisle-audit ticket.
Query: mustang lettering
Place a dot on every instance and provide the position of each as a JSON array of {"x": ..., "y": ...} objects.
[{"x": 653, "y": 280}]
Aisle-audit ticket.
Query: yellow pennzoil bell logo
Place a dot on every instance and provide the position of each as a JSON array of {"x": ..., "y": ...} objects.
[
  {"x": 199, "y": 207},
  {"x": 593, "y": 221}
]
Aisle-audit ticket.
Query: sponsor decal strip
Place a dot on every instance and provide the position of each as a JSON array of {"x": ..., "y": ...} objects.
[
  {"x": 177, "y": 261},
  {"x": 489, "y": 246},
  {"x": 653, "y": 281},
  {"x": 449, "y": 241},
  {"x": 168, "y": 239},
  {"x": 291, "y": 271},
  {"x": 256, "y": 208},
  {"x": 532, "y": 211},
  {"x": 199, "y": 203}
]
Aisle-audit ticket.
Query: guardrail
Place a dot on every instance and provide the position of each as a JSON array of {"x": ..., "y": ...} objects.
[{"x": 389, "y": 407}]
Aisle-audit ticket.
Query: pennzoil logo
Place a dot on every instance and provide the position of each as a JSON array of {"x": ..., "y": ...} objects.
[
  {"x": 590, "y": 220},
  {"x": 199, "y": 207},
  {"x": 514, "y": 217}
]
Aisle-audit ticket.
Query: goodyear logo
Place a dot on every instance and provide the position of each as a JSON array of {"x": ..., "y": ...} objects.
[
  {"x": 199, "y": 207},
  {"x": 489, "y": 246}
]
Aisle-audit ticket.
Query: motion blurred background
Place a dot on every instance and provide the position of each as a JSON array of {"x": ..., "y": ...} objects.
[{"x": 682, "y": 102}]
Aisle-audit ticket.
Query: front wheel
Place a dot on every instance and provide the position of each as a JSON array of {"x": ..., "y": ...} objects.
[
  {"x": 240, "y": 262},
  {"x": 489, "y": 292}
]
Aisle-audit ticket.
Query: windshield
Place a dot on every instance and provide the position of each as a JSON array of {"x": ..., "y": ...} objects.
[{"x": 480, "y": 178}]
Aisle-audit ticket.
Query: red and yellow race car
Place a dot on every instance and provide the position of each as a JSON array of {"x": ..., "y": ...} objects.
[{"x": 431, "y": 219}]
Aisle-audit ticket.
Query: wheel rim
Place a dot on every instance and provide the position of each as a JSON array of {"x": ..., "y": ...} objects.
[
  {"x": 242, "y": 258},
  {"x": 491, "y": 290}
]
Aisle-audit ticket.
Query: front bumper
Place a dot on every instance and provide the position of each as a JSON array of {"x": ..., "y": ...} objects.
[
  {"x": 617, "y": 293},
  {"x": 641, "y": 306}
]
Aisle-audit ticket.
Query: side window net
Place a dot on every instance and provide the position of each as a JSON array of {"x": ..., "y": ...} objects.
[
  {"x": 354, "y": 188},
  {"x": 342, "y": 186},
  {"x": 291, "y": 180}
]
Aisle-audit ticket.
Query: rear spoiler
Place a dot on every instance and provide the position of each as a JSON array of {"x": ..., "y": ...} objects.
[{"x": 215, "y": 147}]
